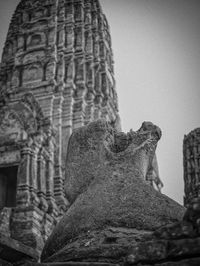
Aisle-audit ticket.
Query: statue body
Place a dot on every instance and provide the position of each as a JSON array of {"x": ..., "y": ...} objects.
[{"x": 111, "y": 203}]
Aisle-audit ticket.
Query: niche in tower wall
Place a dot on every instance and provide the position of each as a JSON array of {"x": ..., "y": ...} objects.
[
  {"x": 8, "y": 51},
  {"x": 50, "y": 68},
  {"x": 33, "y": 56},
  {"x": 79, "y": 38},
  {"x": 88, "y": 42},
  {"x": 21, "y": 42},
  {"x": 69, "y": 37},
  {"x": 33, "y": 72},
  {"x": 78, "y": 12},
  {"x": 8, "y": 186},
  {"x": 39, "y": 13},
  {"x": 35, "y": 39},
  {"x": 69, "y": 69}
]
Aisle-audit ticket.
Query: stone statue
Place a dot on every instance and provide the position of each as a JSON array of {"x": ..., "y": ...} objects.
[
  {"x": 152, "y": 175},
  {"x": 112, "y": 205}
]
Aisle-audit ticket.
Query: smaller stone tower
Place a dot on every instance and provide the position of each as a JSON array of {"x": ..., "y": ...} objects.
[{"x": 191, "y": 162}]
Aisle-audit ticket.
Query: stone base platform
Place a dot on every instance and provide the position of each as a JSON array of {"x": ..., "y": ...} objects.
[
  {"x": 72, "y": 264},
  {"x": 185, "y": 262},
  {"x": 12, "y": 251}
]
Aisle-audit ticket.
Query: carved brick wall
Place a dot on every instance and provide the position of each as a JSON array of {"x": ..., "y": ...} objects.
[
  {"x": 59, "y": 54},
  {"x": 27, "y": 142},
  {"x": 60, "y": 51},
  {"x": 62, "y": 48}
]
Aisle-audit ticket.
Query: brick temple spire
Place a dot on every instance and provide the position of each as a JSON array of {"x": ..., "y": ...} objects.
[
  {"x": 60, "y": 51},
  {"x": 56, "y": 75}
]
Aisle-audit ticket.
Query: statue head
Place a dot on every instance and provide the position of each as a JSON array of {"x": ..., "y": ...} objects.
[
  {"x": 99, "y": 142},
  {"x": 149, "y": 127}
]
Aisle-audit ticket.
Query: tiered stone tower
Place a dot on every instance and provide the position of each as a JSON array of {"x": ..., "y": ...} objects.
[
  {"x": 56, "y": 75},
  {"x": 191, "y": 161}
]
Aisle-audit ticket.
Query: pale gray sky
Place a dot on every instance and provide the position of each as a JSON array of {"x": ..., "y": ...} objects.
[{"x": 156, "y": 47}]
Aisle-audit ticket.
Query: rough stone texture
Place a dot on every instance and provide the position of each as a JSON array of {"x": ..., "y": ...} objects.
[
  {"x": 12, "y": 251},
  {"x": 5, "y": 263},
  {"x": 5, "y": 221},
  {"x": 186, "y": 262},
  {"x": 174, "y": 244},
  {"x": 112, "y": 207},
  {"x": 191, "y": 154},
  {"x": 72, "y": 264}
]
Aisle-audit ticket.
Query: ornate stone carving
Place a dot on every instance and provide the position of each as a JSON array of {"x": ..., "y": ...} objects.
[
  {"x": 50, "y": 70},
  {"x": 27, "y": 132},
  {"x": 79, "y": 38},
  {"x": 11, "y": 128},
  {"x": 69, "y": 37},
  {"x": 32, "y": 57},
  {"x": 39, "y": 13},
  {"x": 69, "y": 69},
  {"x": 80, "y": 23},
  {"x": 36, "y": 39},
  {"x": 33, "y": 72}
]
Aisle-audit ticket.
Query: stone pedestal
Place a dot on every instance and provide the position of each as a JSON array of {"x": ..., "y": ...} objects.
[{"x": 26, "y": 226}]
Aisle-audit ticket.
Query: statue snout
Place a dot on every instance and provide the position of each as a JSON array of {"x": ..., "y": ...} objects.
[{"x": 158, "y": 132}]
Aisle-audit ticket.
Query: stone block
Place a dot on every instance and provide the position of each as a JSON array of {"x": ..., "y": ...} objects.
[
  {"x": 26, "y": 226},
  {"x": 13, "y": 251}
]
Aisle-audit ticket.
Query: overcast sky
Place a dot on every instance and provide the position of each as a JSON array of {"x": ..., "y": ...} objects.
[{"x": 156, "y": 47}]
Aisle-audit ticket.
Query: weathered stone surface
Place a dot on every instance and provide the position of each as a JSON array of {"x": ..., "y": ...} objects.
[
  {"x": 105, "y": 184},
  {"x": 164, "y": 250},
  {"x": 4, "y": 263},
  {"x": 184, "y": 262},
  {"x": 12, "y": 251},
  {"x": 191, "y": 163},
  {"x": 174, "y": 244},
  {"x": 72, "y": 264},
  {"x": 5, "y": 221},
  {"x": 189, "y": 227},
  {"x": 26, "y": 190}
]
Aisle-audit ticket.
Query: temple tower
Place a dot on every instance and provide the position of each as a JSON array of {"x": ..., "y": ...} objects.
[
  {"x": 191, "y": 162},
  {"x": 56, "y": 75}
]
